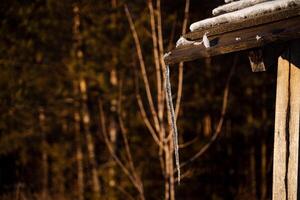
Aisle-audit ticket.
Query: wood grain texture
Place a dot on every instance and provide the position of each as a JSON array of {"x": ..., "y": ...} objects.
[
  {"x": 294, "y": 131},
  {"x": 239, "y": 40},
  {"x": 280, "y": 143},
  {"x": 287, "y": 116}
]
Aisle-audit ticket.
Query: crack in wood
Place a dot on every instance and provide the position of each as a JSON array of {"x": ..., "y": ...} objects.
[
  {"x": 287, "y": 138},
  {"x": 287, "y": 130}
]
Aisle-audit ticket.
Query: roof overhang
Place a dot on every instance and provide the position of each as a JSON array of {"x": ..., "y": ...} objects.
[{"x": 278, "y": 26}]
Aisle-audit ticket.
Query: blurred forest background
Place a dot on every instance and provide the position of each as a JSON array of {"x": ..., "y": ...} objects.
[{"x": 82, "y": 112}]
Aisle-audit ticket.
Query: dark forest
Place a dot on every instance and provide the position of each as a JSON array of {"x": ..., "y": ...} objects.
[{"x": 83, "y": 112}]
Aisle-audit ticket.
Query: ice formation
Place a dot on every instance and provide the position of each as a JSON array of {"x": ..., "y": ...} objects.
[{"x": 170, "y": 108}]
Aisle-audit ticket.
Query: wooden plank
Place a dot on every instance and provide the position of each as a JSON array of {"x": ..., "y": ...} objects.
[
  {"x": 286, "y": 133},
  {"x": 294, "y": 131},
  {"x": 246, "y": 23},
  {"x": 248, "y": 38},
  {"x": 279, "y": 154}
]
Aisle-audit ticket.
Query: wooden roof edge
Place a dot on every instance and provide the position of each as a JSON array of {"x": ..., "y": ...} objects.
[
  {"x": 248, "y": 22},
  {"x": 238, "y": 40}
]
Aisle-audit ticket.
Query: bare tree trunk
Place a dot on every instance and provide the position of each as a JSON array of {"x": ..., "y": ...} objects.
[
  {"x": 263, "y": 170},
  {"x": 89, "y": 140},
  {"x": 171, "y": 163},
  {"x": 58, "y": 167},
  {"x": 167, "y": 172},
  {"x": 58, "y": 158},
  {"x": 112, "y": 127},
  {"x": 45, "y": 166},
  {"x": 79, "y": 56},
  {"x": 45, "y": 169},
  {"x": 207, "y": 125},
  {"x": 113, "y": 16},
  {"x": 79, "y": 157},
  {"x": 57, "y": 187},
  {"x": 253, "y": 171},
  {"x": 252, "y": 161},
  {"x": 264, "y": 152}
]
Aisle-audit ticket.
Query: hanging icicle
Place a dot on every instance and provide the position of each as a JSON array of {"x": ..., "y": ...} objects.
[{"x": 170, "y": 108}]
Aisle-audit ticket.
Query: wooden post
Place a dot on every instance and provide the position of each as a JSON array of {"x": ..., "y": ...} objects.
[{"x": 287, "y": 116}]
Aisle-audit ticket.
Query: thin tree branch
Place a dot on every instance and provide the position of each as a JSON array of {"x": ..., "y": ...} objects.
[
  {"x": 122, "y": 127},
  {"x": 156, "y": 56},
  {"x": 156, "y": 29},
  {"x": 161, "y": 54},
  {"x": 129, "y": 196},
  {"x": 172, "y": 34},
  {"x": 159, "y": 31},
  {"x": 184, "y": 145},
  {"x": 186, "y": 16},
  {"x": 143, "y": 113},
  {"x": 108, "y": 144},
  {"x": 126, "y": 144},
  {"x": 187, "y": 174},
  {"x": 123, "y": 191},
  {"x": 180, "y": 72},
  {"x": 221, "y": 120},
  {"x": 146, "y": 121},
  {"x": 179, "y": 89},
  {"x": 143, "y": 68}
]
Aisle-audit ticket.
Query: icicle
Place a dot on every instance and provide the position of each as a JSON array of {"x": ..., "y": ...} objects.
[
  {"x": 205, "y": 41},
  {"x": 170, "y": 108}
]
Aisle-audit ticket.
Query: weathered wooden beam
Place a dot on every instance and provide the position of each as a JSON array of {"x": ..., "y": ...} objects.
[
  {"x": 257, "y": 36},
  {"x": 287, "y": 118}
]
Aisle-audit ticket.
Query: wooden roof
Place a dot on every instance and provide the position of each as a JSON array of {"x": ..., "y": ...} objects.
[{"x": 248, "y": 33}]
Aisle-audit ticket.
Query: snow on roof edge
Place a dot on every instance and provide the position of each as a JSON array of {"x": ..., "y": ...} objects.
[
  {"x": 249, "y": 12},
  {"x": 229, "y": 1},
  {"x": 237, "y": 5}
]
